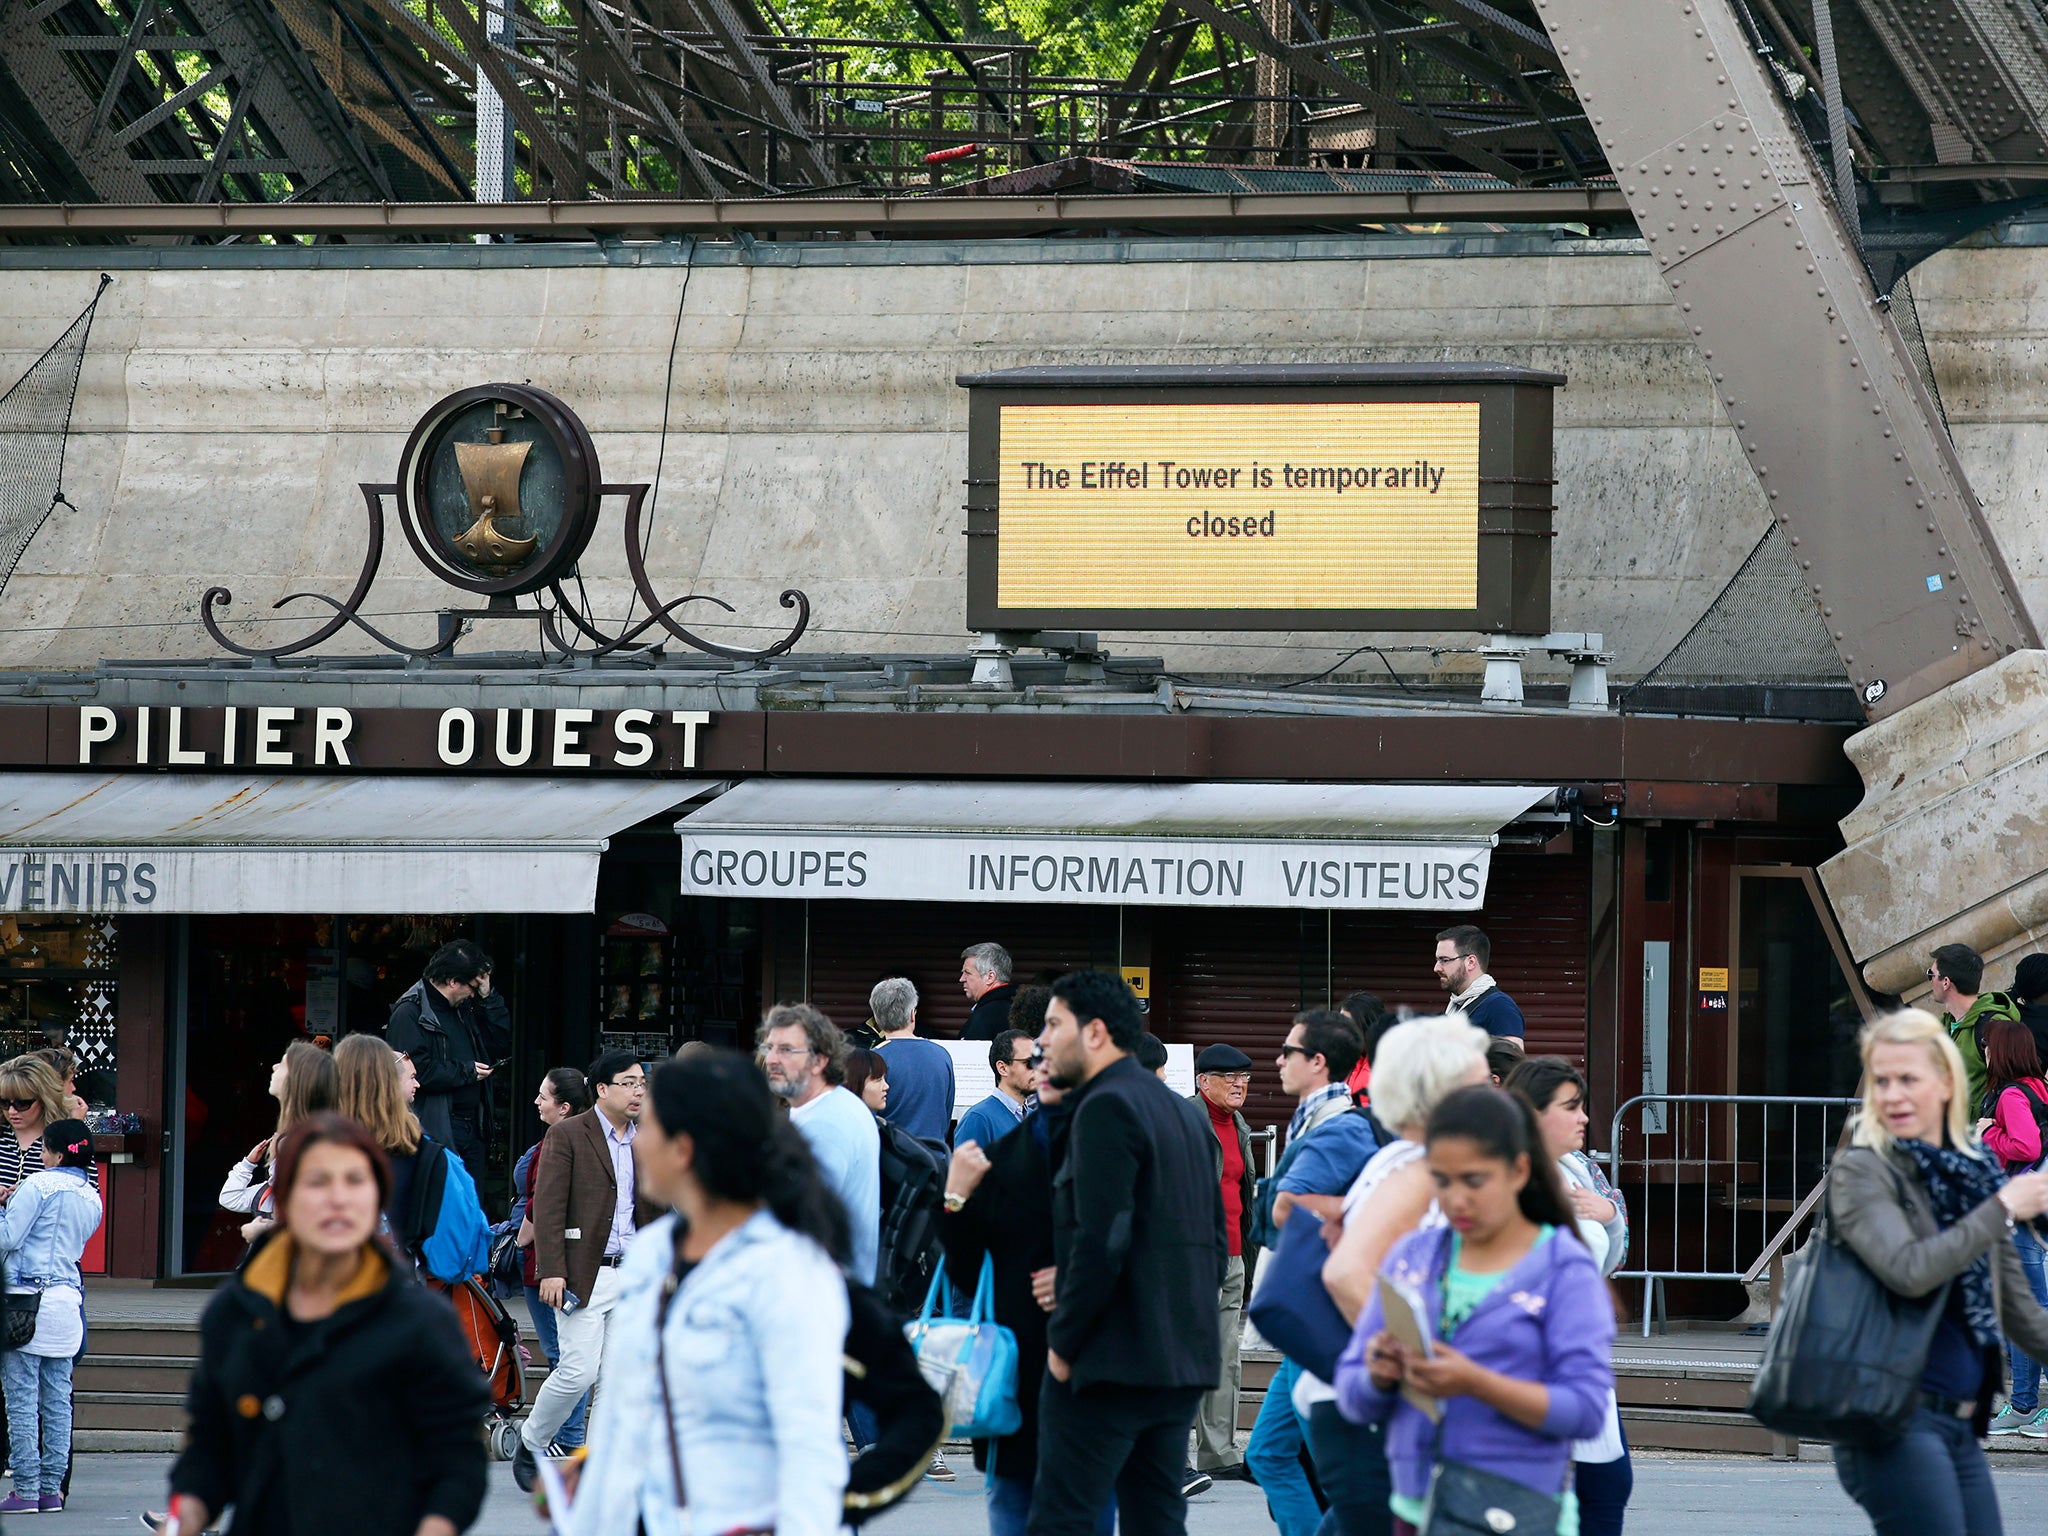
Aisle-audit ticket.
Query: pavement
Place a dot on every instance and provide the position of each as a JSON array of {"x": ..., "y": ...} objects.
[{"x": 1675, "y": 1496}]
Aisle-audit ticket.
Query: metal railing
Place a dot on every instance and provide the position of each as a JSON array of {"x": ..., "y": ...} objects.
[{"x": 1710, "y": 1177}]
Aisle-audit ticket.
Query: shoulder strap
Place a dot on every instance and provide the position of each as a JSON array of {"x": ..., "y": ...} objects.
[{"x": 669, "y": 1286}]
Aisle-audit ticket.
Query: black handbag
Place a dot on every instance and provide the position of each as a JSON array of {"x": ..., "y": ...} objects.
[
  {"x": 24, "y": 1309},
  {"x": 1844, "y": 1358},
  {"x": 1470, "y": 1501}
]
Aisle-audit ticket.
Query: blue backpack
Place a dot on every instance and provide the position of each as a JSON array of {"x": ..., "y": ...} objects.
[{"x": 446, "y": 1230}]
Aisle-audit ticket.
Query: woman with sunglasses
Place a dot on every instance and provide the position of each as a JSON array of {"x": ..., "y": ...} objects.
[
  {"x": 33, "y": 1099},
  {"x": 43, "y": 1233}
]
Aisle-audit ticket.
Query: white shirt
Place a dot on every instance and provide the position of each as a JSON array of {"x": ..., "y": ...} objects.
[
  {"x": 1390, "y": 1159},
  {"x": 620, "y": 1145}
]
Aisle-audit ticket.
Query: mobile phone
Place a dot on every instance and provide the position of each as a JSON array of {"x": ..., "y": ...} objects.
[{"x": 569, "y": 1303}]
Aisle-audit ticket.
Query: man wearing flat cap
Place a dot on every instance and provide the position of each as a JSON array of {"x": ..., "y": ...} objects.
[{"x": 1223, "y": 1075}]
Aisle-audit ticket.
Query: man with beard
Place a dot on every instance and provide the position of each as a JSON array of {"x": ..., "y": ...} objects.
[
  {"x": 999, "y": 1204},
  {"x": 804, "y": 1057},
  {"x": 1139, "y": 1246}
]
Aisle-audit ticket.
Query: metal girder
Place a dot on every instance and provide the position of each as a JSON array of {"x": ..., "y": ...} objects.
[
  {"x": 912, "y": 216},
  {"x": 132, "y": 132},
  {"x": 1849, "y": 450},
  {"x": 1423, "y": 132}
]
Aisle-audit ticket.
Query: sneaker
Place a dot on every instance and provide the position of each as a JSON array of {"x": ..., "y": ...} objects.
[
  {"x": 2010, "y": 1421},
  {"x": 2036, "y": 1426},
  {"x": 15, "y": 1504},
  {"x": 525, "y": 1468},
  {"x": 1192, "y": 1483},
  {"x": 51, "y": 1504},
  {"x": 938, "y": 1471}
]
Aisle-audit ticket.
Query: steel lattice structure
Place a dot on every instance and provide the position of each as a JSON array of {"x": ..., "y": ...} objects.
[{"x": 197, "y": 101}]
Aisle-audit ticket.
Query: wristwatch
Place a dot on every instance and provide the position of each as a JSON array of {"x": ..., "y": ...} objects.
[{"x": 954, "y": 1202}]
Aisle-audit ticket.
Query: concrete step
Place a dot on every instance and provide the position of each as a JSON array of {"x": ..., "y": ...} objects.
[
  {"x": 1699, "y": 1429},
  {"x": 133, "y": 1373},
  {"x": 160, "y": 1411}
]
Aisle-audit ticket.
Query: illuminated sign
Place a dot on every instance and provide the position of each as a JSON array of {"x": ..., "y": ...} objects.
[
  {"x": 1241, "y": 506},
  {"x": 1363, "y": 496}
]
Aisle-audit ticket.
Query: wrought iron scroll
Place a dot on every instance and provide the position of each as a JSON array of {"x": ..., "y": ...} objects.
[{"x": 561, "y": 640}]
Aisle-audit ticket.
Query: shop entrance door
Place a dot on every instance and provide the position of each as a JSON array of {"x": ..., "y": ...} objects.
[{"x": 1798, "y": 1003}]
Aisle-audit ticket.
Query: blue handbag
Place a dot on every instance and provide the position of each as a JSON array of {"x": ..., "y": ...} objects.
[
  {"x": 970, "y": 1362},
  {"x": 1293, "y": 1310}
]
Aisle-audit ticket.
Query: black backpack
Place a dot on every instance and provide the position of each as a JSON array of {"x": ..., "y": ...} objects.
[{"x": 913, "y": 1196}]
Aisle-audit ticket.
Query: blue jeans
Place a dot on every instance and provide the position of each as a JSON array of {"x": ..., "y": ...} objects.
[
  {"x": 38, "y": 1391},
  {"x": 1932, "y": 1481},
  {"x": 2026, "y": 1372},
  {"x": 1351, "y": 1464},
  {"x": 1274, "y": 1455},
  {"x": 570, "y": 1435},
  {"x": 1009, "y": 1507}
]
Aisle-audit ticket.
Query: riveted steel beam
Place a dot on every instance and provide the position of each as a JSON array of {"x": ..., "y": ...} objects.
[{"x": 1854, "y": 462}]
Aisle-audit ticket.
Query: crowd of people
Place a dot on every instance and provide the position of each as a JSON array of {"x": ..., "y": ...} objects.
[{"x": 716, "y": 1248}]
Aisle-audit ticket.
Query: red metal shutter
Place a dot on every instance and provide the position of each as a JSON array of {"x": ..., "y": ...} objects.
[
  {"x": 1539, "y": 916},
  {"x": 1238, "y": 977},
  {"x": 854, "y": 944}
]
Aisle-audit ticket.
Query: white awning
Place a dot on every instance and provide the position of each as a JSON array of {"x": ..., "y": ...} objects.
[
  {"x": 1233, "y": 845},
  {"x": 138, "y": 842}
]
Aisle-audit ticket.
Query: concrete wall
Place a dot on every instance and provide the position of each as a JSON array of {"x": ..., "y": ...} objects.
[{"x": 230, "y": 403}]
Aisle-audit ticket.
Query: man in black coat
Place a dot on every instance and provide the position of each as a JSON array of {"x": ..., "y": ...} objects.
[
  {"x": 452, "y": 1024},
  {"x": 1139, "y": 1242},
  {"x": 985, "y": 978}
]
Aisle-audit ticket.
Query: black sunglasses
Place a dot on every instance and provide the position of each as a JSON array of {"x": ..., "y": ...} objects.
[{"x": 18, "y": 1104}]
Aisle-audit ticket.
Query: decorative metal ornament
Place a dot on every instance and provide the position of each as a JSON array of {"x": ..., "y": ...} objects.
[{"x": 499, "y": 494}]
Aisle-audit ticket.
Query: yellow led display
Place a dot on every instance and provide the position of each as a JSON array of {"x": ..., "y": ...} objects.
[{"x": 1286, "y": 505}]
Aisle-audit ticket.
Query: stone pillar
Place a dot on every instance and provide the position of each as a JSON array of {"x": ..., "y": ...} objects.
[{"x": 1950, "y": 844}]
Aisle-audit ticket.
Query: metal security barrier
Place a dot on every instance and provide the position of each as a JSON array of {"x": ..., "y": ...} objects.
[{"x": 1711, "y": 1177}]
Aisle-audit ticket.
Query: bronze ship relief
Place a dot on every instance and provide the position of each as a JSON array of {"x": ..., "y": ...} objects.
[{"x": 490, "y": 473}]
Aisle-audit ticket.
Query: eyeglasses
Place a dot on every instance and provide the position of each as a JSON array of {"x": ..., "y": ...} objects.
[
  {"x": 785, "y": 1050},
  {"x": 1231, "y": 1077},
  {"x": 19, "y": 1106},
  {"x": 1025, "y": 1061}
]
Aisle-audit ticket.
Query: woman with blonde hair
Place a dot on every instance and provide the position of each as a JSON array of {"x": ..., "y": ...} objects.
[
  {"x": 1418, "y": 1064},
  {"x": 1927, "y": 1210},
  {"x": 372, "y": 1093},
  {"x": 33, "y": 1096}
]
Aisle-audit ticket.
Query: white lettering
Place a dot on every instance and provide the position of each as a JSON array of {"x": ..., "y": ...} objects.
[
  {"x": 636, "y": 745},
  {"x": 175, "y": 750},
  {"x": 227, "y": 737},
  {"x": 331, "y": 728},
  {"x": 142, "y": 735},
  {"x": 271, "y": 751},
  {"x": 569, "y": 725},
  {"x": 457, "y": 726},
  {"x": 96, "y": 723},
  {"x": 505, "y": 737},
  {"x": 689, "y": 720}
]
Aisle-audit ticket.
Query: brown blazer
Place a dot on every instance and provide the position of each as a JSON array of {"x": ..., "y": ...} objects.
[{"x": 575, "y": 1192}]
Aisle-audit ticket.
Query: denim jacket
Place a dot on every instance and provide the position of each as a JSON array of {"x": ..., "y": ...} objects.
[
  {"x": 755, "y": 1340},
  {"x": 47, "y": 1223}
]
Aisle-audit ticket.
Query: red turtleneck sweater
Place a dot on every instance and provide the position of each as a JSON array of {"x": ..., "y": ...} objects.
[{"x": 1224, "y": 1123}]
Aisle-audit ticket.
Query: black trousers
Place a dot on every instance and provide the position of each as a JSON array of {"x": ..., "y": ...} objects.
[{"x": 1130, "y": 1441}]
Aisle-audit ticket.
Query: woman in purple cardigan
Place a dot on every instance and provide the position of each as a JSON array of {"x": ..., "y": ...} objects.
[{"x": 1519, "y": 1319}]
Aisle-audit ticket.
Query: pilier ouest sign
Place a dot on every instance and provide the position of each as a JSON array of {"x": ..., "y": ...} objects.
[{"x": 1137, "y": 870}]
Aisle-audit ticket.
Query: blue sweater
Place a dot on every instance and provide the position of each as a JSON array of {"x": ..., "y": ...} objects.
[
  {"x": 1497, "y": 1014},
  {"x": 988, "y": 1122}
]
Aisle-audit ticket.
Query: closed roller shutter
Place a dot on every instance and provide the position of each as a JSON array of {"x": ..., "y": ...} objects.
[
  {"x": 1239, "y": 977},
  {"x": 1538, "y": 915},
  {"x": 854, "y": 944}
]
